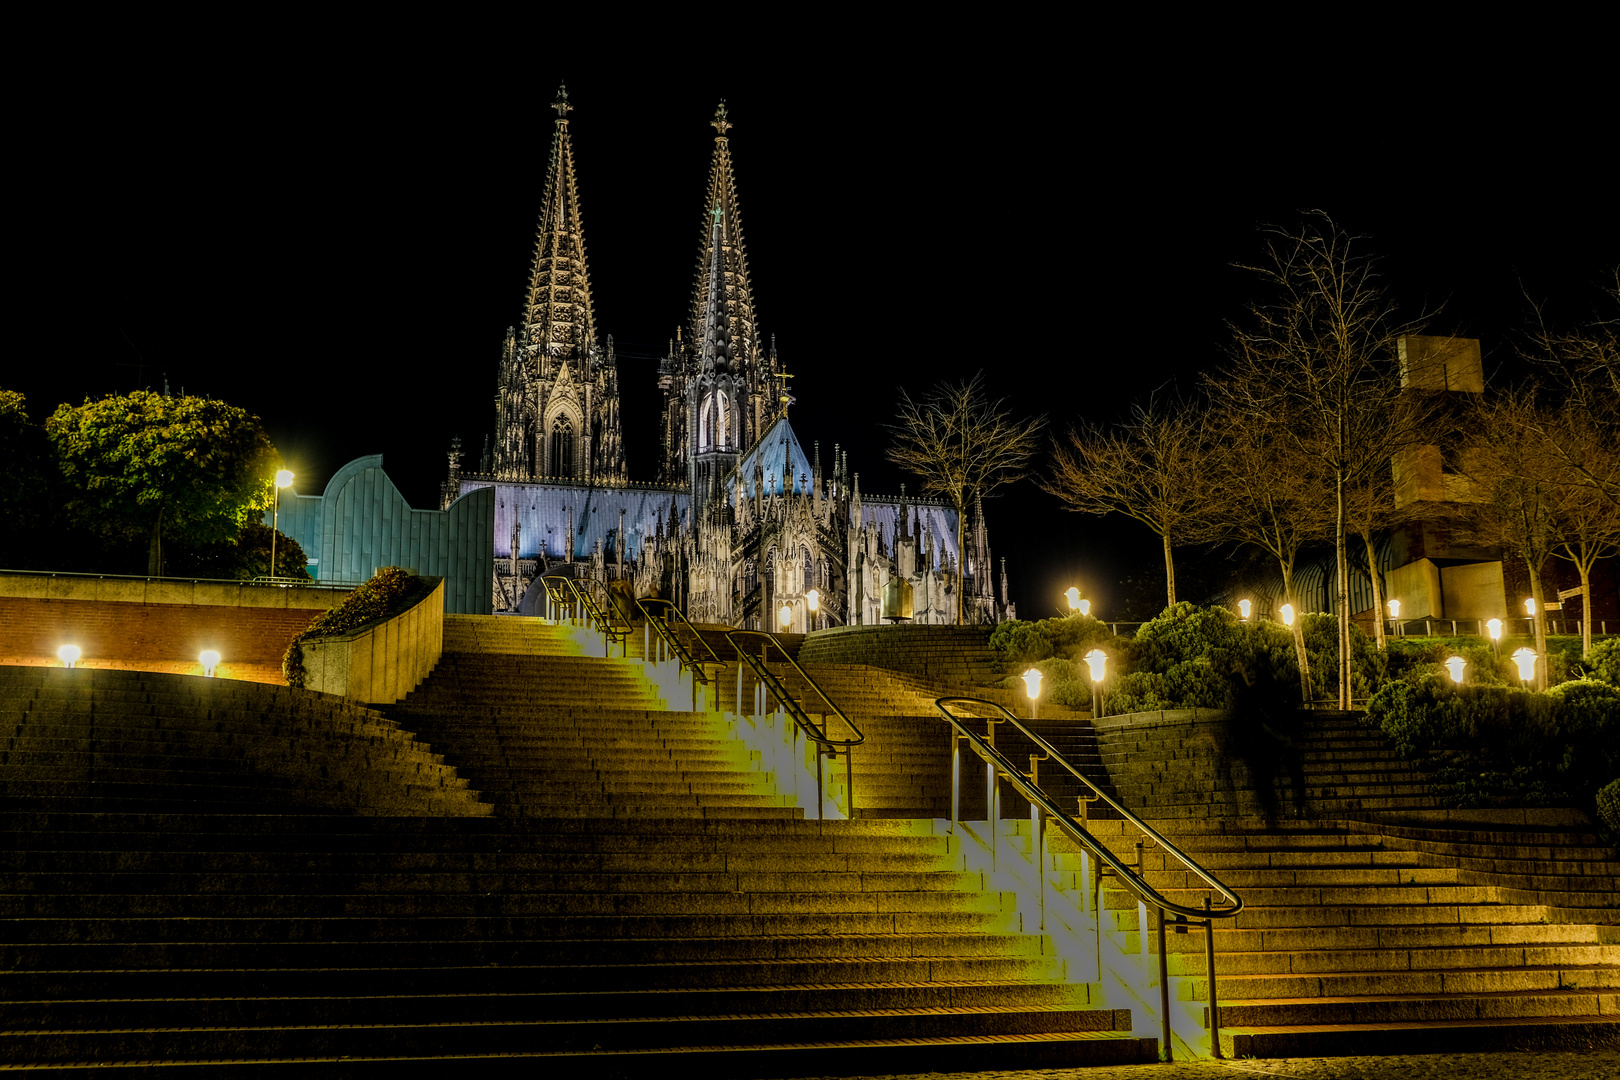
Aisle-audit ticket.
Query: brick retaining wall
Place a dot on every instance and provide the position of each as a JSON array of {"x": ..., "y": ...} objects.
[{"x": 949, "y": 655}]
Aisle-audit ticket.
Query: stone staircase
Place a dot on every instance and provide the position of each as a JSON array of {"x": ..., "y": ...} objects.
[
  {"x": 1372, "y": 917},
  {"x": 131, "y": 741},
  {"x": 605, "y": 920}
]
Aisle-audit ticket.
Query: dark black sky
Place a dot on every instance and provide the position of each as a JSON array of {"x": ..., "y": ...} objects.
[{"x": 336, "y": 236}]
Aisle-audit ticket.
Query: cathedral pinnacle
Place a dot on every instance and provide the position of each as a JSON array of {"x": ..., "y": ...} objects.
[
  {"x": 720, "y": 123},
  {"x": 561, "y": 104}
]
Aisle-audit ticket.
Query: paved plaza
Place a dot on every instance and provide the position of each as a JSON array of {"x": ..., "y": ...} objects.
[{"x": 1543, "y": 1065}]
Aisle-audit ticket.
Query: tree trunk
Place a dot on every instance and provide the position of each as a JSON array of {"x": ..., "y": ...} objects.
[
  {"x": 154, "y": 548},
  {"x": 1541, "y": 624},
  {"x": 1169, "y": 571},
  {"x": 1306, "y": 691},
  {"x": 1378, "y": 592},
  {"x": 1585, "y": 568},
  {"x": 1343, "y": 598},
  {"x": 961, "y": 557}
]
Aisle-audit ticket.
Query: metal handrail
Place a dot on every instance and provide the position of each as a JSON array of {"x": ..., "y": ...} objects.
[
  {"x": 1132, "y": 879},
  {"x": 829, "y": 747},
  {"x": 667, "y": 634},
  {"x": 593, "y": 613}
]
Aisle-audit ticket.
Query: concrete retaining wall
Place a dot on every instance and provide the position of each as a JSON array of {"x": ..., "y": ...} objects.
[
  {"x": 155, "y": 624},
  {"x": 380, "y": 664}
]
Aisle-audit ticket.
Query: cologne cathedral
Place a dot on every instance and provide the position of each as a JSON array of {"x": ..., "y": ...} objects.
[{"x": 740, "y": 522}]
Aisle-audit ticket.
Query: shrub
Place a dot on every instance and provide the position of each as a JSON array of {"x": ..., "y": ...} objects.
[
  {"x": 1604, "y": 660},
  {"x": 1608, "y": 805},
  {"x": 388, "y": 591}
]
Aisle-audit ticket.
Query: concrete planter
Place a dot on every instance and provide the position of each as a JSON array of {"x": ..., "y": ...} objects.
[{"x": 381, "y": 663}]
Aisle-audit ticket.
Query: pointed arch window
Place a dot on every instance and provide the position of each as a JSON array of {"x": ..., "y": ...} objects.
[
  {"x": 706, "y": 422},
  {"x": 809, "y": 568},
  {"x": 723, "y": 437},
  {"x": 562, "y": 447}
]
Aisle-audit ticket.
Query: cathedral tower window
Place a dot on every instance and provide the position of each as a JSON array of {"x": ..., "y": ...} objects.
[{"x": 562, "y": 447}]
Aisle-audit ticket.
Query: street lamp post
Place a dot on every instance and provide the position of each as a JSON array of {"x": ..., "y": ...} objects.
[
  {"x": 1032, "y": 688},
  {"x": 813, "y": 598},
  {"x": 284, "y": 478},
  {"x": 1495, "y": 628},
  {"x": 1394, "y": 613},
  {"x": 1097, "y": 660}
]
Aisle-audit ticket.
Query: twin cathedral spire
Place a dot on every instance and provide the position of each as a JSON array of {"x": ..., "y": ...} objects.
[{"x": 557, "y": 395}]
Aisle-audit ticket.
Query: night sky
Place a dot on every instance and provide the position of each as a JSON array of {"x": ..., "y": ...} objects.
[{"x": 336, "y": 238}]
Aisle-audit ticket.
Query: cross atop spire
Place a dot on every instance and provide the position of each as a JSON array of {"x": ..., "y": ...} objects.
[
  {"x": 561, "y": 104},
  {"x": 720, "y": 123}
]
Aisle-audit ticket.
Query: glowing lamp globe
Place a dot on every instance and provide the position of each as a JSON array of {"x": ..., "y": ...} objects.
[
  {"x": 68, "y": 654},
  {"x": 1085, "y": 607},
  {"x": 785, "y": 616},
  {"x": 1495, "y": 629},
  {"x": 814, "y": 599},
  {"x": 1243, "y": 608},
  {"x": 1394, "y": 609},
  {"x": 1074, "y": 598},
  {"x": 1287, "y": 613},
  {"x": 284, "y": 478},
  {"x": 1455, "y": 665},
  {"x": 1032, "y": 683},
  {"x": 1526, "y": 659},
  {"x": 1530, "y": 606},
  {"x": 209, "y": 659},
  {"x": 1097, "y": 660}
]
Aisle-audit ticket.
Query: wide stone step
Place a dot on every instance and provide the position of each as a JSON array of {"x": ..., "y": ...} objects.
[{"x": 1421, "y": 1037}]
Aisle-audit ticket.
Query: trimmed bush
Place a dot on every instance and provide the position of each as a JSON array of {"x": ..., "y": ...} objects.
[
  {"x": 388, "y": 592},
  {"x": 1608, "y": 805},
  {"x": 1604, "y": 660}
]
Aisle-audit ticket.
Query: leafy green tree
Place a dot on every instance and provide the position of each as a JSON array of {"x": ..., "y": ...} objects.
[
  {"x": 147, "y": 466},
  {"x": 27, "y": 489}
]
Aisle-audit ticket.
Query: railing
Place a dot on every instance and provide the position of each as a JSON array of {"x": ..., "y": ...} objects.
[
  {"x": 826, "y": 746},
  {"x": 663, "y": 616},
  {"x": 999, "y": 766},
  {"x": 565, "y": 594},
  {"x": 1460, "y": 627}
]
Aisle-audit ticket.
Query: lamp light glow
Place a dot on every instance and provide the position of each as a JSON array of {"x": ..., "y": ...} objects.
[
  {"x": 814, "y": 599},
  {"x": 284, "y": 478},
  {"x": 1456, "y": 665},
  {"x": 1243, "y": 608},
  {"x": 209, "y": 659},
  {"x": 1032, "y": 683},
  {"x": 1530, "y": 606},
  {"x": 1074, "y": 598},
  {"x": 1097, "y": 660},
  {"x": 69, "y": 655},
  {"x": 1526, "y": 659},
  {"x": 785, "y": 616},
  {"x": 1394, "y": 609},
  {"x": 1085, "y": 606},
  {"x": 1495, "y": 629},
  {"x": 1287, "y": 613}
]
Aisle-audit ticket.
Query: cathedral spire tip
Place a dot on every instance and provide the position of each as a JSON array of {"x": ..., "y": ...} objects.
[
  {"x": 561, "y": 104},
  {"x": 720, "y": 123}
]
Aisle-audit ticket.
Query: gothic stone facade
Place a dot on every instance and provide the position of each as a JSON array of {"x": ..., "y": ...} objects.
[{"x": 741, "y": 522}]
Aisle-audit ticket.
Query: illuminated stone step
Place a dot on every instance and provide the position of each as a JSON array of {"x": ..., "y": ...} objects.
[{"x": 1417, "y": 1037}]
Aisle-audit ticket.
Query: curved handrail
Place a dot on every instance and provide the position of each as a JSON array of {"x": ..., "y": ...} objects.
[
  {"x": 1137, "y": 885},
  {"x": 593, "y": 612},
  {"x": 789, "y": 702}
]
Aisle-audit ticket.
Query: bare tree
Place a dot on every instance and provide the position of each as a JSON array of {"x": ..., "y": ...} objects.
[
  {"x": 1151, "y": 468},
  {"x": 1321, "y": 349},
  {"x": 1264, "y": 491},
  {"x": 964, "y": 446}
]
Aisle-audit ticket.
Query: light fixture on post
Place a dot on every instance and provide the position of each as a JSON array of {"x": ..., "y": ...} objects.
[
  {"x": 1085, "y": 606},
  {"x": 1032, "y": 688},
  {"x": 784, "y": 617},
  {"x": 1244, "y": 607},
  {"x": 1495, "y": 629},
  {"x": 1526, "y": 659},
  {"x": 69, "y": 655},
  {"x": 1287, "y": 613},
  {"x": 813, "y": 598},
  {"x": 284, "y": 478},
  {"x": 1394, "y": 613},
  {"x": 1073, "y": 595},
  {"x": 1097, "y": 660},
  {"x": 209, "y": 659},
  {"x": 1455, "y": 665}
]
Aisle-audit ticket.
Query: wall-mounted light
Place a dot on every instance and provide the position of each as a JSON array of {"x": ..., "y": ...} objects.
[
  {"x": 69, "y": 655},
  {"x": 209, "y": 659}
]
